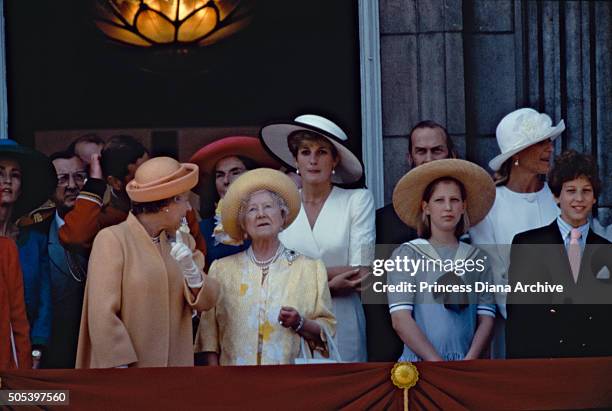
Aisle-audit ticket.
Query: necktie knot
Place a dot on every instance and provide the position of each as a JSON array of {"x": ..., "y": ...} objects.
[{"x": 575, "y": 235}]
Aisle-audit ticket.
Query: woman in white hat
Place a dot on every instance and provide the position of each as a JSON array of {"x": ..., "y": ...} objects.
[
  {"x": 523, "y": 199},
  {"x": 440, "y": 199},
  {"x": 334, "y": 224},
  {"x": 145, "y": 278},
  {"x": 271, "y": 297},
  {"x": 525, "y": 140}
]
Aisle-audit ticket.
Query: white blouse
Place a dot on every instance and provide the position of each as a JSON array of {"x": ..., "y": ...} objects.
[
  {"x": 512, "y": 213},
  {"x": 344, "y": 234}
]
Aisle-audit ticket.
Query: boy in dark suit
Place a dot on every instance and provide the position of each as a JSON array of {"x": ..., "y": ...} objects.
[{"x": 575, "y": 323}]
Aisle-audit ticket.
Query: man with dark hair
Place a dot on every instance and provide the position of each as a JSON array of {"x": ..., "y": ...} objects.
[
  {"x": 565, "y": 252},
  {"x": 67, "y": 267},
  {"x": 120, "y": 158},
  {"x": 428, "y": 141}
]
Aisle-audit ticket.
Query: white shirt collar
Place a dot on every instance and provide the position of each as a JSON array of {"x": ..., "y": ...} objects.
[{"x": 59, "y": 220}]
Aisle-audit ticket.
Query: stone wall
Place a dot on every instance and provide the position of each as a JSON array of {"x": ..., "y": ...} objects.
[{"x": 466, "y": 63}]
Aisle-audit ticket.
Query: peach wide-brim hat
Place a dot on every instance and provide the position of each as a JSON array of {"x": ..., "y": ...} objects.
[
  {"x": 251, "y": 182},
  {"x": 479, "y": 187},
  {"x": 160, "y": 178}
]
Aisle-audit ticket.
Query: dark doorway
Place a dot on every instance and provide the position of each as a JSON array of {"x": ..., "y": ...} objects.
[{"x": 296, "y": 57}]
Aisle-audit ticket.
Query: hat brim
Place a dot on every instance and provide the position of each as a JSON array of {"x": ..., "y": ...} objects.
[
  {"x": 274, "y": 138},
  {"x": 250, "y": 182},
  {"x": 479, "y": 187},
  {"x": 497, "y": 161},
  {"x": 38, "y": 178},
  {"x": 208, "y": 156},
  {"x": 185, "y": 178}
]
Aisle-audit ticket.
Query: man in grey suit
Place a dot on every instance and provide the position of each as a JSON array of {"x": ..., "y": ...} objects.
[{"x": 67, "y": 267}]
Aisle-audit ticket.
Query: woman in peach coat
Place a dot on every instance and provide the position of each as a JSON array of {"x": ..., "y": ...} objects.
[{"x": 145, "y": 278}]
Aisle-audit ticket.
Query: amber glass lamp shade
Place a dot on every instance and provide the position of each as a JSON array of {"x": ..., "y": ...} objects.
[{"x": 182, "y": 23}]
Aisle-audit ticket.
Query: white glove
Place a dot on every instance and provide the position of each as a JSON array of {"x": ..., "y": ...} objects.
[{"x": 184, "y": 257}]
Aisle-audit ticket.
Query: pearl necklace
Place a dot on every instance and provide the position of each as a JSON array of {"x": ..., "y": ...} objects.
[{"x": 265, "y": 265}]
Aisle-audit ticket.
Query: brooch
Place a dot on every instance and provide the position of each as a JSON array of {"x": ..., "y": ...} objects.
[{"x": 291, "y": 256}]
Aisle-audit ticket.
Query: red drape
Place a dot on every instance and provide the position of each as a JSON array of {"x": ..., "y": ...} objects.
[{"x": 460, "y": 385}]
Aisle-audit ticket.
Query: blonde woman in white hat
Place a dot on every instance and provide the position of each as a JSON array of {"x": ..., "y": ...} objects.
[
  {"x": 272, "y": 297},
  {"x": 440, "y": 199},
  {"x": 145, "y": 278},
  {"x": 334, "y": 224},
  {"x": 523, "y": 199}
]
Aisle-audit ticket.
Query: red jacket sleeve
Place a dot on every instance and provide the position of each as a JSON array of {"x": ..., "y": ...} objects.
[
  {"x": 88, "y": 216},
  {"x": 19, "y": 321}
]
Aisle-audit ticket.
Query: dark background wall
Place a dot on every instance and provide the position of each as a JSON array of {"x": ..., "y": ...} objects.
[
  {"x": 296, "y": 57},
  {"x": 466, "y": 63}
]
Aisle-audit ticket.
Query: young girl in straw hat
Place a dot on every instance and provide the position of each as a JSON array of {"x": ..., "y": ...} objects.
[{"x": 440, "y": 199}]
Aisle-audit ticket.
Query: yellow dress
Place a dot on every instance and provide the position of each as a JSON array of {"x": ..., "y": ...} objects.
[{"x": 243, "y": 327}]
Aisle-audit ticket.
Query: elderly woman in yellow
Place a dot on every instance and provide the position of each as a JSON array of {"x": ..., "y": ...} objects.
[
  {"x": 271, "y": 296},
  {"x": 145, "y": 278}
]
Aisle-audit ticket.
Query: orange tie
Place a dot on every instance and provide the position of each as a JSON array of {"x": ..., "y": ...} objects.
[{"x": 574, "y": 252}]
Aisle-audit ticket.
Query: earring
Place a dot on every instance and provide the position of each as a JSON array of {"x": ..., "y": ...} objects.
[
  {"x": 167, "y": 210},
  {"x": 516, "y": 163},
  {"x": 333, "y": 171},
  {"x": 297, "y": 171}
]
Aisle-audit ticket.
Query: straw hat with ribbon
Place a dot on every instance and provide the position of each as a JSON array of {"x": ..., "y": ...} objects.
[
  {"x": 479, "y": 187},
  {"x": 251, "y": 182},
  {"x": 274, "y": 137},
  {"x": 520, "y": 129},
  {"x": 38, "y": 176},
  {"x": 160, "y": 178}
]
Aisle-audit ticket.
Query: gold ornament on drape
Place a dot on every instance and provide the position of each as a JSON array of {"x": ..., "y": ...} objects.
[{"x": 404, "y": 375}]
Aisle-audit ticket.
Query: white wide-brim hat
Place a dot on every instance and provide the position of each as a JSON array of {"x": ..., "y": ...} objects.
[
  {"x": 274, "y": 138},
  {"x": 520, "y": 129}
]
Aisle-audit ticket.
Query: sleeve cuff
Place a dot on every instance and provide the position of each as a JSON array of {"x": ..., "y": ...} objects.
[
  {"x": 488, "y": 310},
  {"x": 400, "y": 306},
  {"x": 93, "y": 190}
]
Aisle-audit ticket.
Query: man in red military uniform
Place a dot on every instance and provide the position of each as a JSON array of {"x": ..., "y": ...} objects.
[{"x": 118, "y": 162}]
